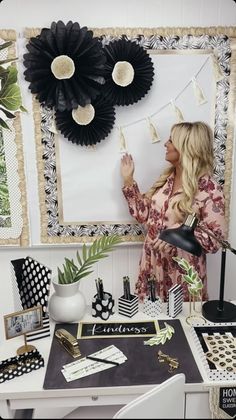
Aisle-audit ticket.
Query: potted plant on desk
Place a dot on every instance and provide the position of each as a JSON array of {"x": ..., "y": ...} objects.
[{"x": 67, "y": 303}]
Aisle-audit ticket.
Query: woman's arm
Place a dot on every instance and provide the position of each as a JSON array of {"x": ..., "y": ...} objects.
[
  {"x": 212, "y": 219},
  {"x": 138, "y": 204}
]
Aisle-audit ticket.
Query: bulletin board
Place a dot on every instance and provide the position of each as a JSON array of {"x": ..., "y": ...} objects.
[
  {"x": 80, "y": 188},
  {"x": 13, "y": 198}
]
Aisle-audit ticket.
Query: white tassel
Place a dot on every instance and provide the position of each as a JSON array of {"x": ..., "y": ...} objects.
[
  {"x": 198, "y": 92},
  {"x": 122, "y": 142},
  {"x": 178, "y": 113},
  {"x": 217, "y": 70},
  {"x": 153, "y": 131}
]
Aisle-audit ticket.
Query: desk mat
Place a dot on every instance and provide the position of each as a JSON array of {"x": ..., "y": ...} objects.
[{"x": 141, "y": 368}]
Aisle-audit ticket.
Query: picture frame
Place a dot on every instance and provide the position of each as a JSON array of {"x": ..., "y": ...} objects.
[{"x": 23, "y": 322}]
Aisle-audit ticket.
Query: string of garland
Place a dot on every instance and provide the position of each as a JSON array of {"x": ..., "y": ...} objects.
[{"x": 198, "y": 93}]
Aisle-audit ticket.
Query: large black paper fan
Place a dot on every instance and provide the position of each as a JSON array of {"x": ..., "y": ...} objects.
[
  {"x": 65, "y": 66},
  {"x": 92, "y": 133},
  {"x": 136, "y": 65}
]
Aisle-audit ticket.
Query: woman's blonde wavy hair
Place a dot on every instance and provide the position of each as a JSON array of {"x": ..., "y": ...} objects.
[{"x": 194, "y": 142}]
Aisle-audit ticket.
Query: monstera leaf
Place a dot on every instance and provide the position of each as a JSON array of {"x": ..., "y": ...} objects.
[{"x": 10, "y": 95}]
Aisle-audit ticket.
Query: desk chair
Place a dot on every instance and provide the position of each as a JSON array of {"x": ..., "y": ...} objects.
[{"x": 164, "y": 401}]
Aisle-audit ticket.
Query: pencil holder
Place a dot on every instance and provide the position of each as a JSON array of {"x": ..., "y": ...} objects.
[
  {"x": 151, "y": 308},
  {"x": 19, "y": 365},
  {"x": 103, "y": 308},
  {"x": 128, "y": 307}
]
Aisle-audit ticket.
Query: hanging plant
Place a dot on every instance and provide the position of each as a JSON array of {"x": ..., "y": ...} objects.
[
  {"x": 10, "y": 96},
  {"x": 129, "y": 72},
  {"x": 65, "y": 66},
  {"x": 87, "y": 125}
]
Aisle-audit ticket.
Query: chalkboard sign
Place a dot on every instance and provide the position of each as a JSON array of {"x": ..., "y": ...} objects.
[
  {"x": 227, "y": 400},
  {"x": 117, "y": 329}
]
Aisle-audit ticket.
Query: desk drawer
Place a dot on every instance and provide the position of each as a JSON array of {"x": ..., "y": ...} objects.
[{"x": 71, "y": 401}]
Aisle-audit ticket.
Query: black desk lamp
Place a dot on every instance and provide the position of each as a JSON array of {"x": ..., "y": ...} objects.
[{"x": 183, "y": 237}]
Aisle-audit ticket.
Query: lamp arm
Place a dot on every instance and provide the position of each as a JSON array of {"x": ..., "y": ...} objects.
[{"x": 224, "y": 244}]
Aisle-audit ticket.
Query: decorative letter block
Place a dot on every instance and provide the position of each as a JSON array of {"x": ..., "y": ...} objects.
[{"x": 128, "y": 307}]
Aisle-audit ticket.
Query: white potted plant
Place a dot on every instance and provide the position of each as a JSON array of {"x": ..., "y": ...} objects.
[{"x": 67, "y": 303}]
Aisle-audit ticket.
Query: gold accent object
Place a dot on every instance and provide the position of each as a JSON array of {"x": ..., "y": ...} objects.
[
  {"x": 195, "y": 309},
  {"x": 172, "y": 362},
  {"x": 69, "y": 342},
  {"x": 26, "y": 348}
]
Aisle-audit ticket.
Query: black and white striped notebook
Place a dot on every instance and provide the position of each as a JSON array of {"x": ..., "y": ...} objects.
[
  {"x": 175, "y": 300},
  {"x": 40, "y": 333}
]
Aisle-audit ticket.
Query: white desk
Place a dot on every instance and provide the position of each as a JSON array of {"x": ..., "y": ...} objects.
[{"x": 26, "y": 392}]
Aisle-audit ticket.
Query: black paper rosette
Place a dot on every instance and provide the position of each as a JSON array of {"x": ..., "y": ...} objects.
[
  {"x": 65, "y": 66},
  {"x": 129, "y": 72},
  {"x": 89, "y": 125}
]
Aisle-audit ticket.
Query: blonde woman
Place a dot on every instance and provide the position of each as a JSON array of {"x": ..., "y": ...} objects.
[{"x": 186, "y": 186}]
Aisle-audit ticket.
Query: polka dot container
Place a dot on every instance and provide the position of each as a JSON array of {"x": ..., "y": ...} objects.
[
  {"x": 103, "y": 308},
  {"x": 35, "y": 284},
  {"x": 19, "y": 365}
]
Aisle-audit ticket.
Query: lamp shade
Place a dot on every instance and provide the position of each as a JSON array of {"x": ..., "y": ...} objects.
[{"x": 183, "y": 236}]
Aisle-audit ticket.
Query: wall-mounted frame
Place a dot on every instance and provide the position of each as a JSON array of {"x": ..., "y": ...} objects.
[{"x": 68, "y": 174}]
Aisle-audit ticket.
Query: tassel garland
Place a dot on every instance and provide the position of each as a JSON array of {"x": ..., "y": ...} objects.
[
  {"x": 153, "y": 131},
  {"x": 198, "y": 92},
  {"x": 122, "y": 142},
  {"x": 178, "y": 113}
]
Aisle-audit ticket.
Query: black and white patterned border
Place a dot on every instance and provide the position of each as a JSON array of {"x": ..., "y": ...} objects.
[{"x": 220, "y": 45}]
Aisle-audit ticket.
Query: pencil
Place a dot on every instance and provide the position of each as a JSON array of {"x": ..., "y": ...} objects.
[{"x": 96, "y": 359}]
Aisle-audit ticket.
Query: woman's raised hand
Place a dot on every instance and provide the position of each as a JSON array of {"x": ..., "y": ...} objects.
[{"x": 127, "y": 169}]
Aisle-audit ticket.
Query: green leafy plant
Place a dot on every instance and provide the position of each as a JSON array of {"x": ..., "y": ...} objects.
[
  {"x": 74, "y": 271},
  {"x": 10, "y": 96},
  {"x": 161, "y": 336},
  {"x": 191, "y": 277}
]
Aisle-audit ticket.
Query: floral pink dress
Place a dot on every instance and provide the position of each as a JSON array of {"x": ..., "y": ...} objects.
[{"x": 156, "y": 214}]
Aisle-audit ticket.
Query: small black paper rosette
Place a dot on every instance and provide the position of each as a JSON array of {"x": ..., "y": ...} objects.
[
  {"x": 129, "y": 72},
  {"x": 87, "y": 125},
  {"x": 65, "y": 66}
]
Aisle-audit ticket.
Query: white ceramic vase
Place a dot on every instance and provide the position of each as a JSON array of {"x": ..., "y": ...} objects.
[{"x": 67, "y": 303}]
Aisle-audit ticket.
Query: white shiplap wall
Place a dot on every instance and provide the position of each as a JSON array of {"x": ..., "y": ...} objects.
[{"x": 19, "y": 14}]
